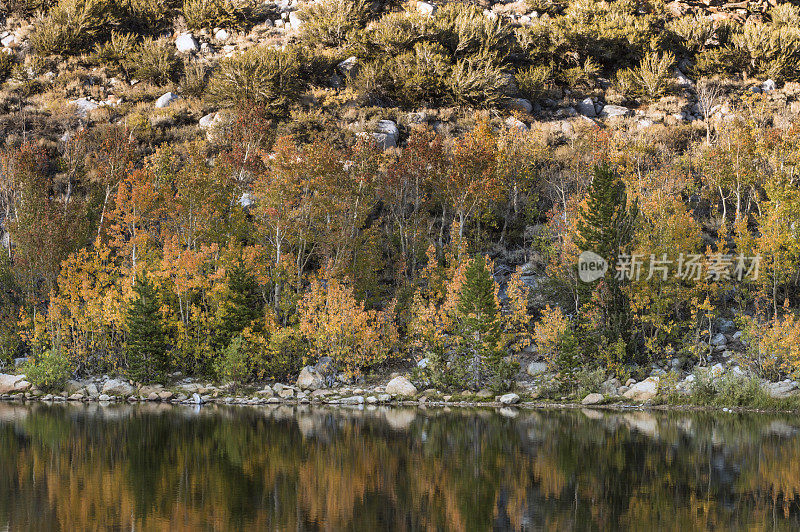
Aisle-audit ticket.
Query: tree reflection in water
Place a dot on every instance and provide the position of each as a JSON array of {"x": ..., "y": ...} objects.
[{"x": 154, "y": 467}]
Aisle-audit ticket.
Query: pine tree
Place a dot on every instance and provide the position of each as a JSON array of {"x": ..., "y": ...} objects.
[
  {"x": 481, "y": 356},
  {"x": 242, "y": 307},
  {"x": 606, "y": 227},
  {"x": 147, "y": 343}
]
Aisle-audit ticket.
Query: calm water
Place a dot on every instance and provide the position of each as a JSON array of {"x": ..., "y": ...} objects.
[{"x": 163, "y": 468}]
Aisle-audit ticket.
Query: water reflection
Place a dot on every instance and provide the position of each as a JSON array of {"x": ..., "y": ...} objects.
[{"x": 157, "y": 467}]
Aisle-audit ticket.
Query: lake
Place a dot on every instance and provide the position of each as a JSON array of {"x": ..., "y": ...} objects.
[{"x": 160, "y": 467}]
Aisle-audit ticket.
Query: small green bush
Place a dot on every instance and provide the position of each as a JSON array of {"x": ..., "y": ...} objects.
[
  {"x": 261, "y": 76},
  {"x": 72, "y": 27},
  {"x": 285, "y": 354},
  {"x": 195, "y": 78},
  {"x": 465, "y": 31},
  {"x": 233, "y": 364},
  {"x": 773, "y": 49},
  {"x": 692, "y": 34},
  {"x": 394, "y": 33},
  {"x": 48, "y": 371},
  {"x": 651, "y": 79},
  {"x": 236, "y": 14},
  {"x": 156, "y": 61},
  {"x": 6, "y": 65},
  {"x": 535, "y": 82},
  {"x": 333, "y": 22},
  {"x": 116, "y": 54},
  {"x": 421, "y": 75},
  {"x": 476, "y": 83}
]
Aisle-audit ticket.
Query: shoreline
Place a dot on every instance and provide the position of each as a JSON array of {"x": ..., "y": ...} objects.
[{"x": 420, "y": 404}]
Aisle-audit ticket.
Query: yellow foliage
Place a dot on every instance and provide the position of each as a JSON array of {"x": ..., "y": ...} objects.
[{"x": 337, "y": 325}]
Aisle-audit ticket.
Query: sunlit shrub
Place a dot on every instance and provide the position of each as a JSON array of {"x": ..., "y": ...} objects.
[
  {"x": 237, "y": 14},
  {"x": 535, "y": 82},
  {"x": 333, "y": 22},
  {"x": 650, "y": 80},
  {"x": 337, "y": 325},
  {"x": 48, "y": 371},
  {"x": 262, "y": 76},
  {"x": 774, "y": 348},
  {"x": 71, "y": 26},
  {"x": 117, "y": 54},
  {"x": 477, "y": 83},
  {"x": 156, "y": 61}
]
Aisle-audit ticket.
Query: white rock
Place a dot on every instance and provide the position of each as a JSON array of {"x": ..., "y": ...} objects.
[
  {"x": 8, "y": 40},
  {"x": 424, "y": 8},
  {"x": 643, "y": 391},
  {"x": 615, "y": 111},
  {"x": 536, "y": 368},
  {"x": 309, "y": 379},
  {"x": 348, "y": 66},
  {"x": 186, "y": 43},
  {"x": 104, "y": 397},
  {"x": 586, "y": 108},
  {"x": 207, "y": 121},
  {"x": 84, "y": 106},
  {"x": 767, "y": 86},
  {"x": 7, "y": 382},
  {"x": 295, "y": 20},
  {"x": 117, "y": 387},
  {"x": 592, "y": 399},
  {"x": 221, "y": 34},
  {"x": 386, "y": 134},
  {"x": 516, "y": 124},
  {"x": 401, "y": 386},
  {"x": 166, "y": 99},
  {"x": 509, "y": 399}
]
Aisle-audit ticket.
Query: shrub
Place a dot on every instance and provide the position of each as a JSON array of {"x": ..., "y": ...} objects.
[
  {"x": 773, "y": 347},
  {"x": 615, "y": 34},
  {"x": 239, "y": 15},
  {"x": 394, "y": 33},
  {"x": 116, "y": 54},
  {"x": 651, "y": 79},
  {"x": 195, "y": 78},
  {"x": 233, "y": 363},
  {"x": 49, "y": 371},
  {"x": 554, "y": 339},
  {"x": 535, "y": 81},
  {"x": 71, "y": 26},
  {"x": 581, "y": 76},
  {"x": 477, "y": 83},
  {"x": 26, "y": 8},
  {"x": 770, "y": 50},
  {"x": 333, "y": 22},
  {"x": 156, "y": 61},
  {"x": 145, "y": 16},
  {"x": 692, "y": 34},
  {"x": 465, "y": 31},
  {"x": 284, "y": 355},
  {"x": 261, "y": 76},
  {"x": 337, "y": 325},
  {"x": 421, "y": 75},
  {"x": 6, "y": 65}
]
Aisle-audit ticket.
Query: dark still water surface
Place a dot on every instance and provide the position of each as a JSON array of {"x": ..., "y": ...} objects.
[{"x": 78, "y": 467}]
